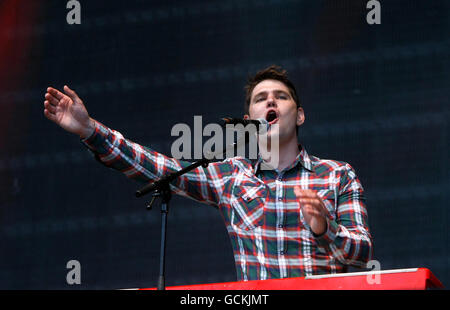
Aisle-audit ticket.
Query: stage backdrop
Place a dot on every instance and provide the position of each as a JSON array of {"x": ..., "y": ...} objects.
[{"x": 375, "y": 96}]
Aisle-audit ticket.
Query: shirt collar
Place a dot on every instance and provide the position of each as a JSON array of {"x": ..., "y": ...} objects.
[{"x": 302, "y": 158}]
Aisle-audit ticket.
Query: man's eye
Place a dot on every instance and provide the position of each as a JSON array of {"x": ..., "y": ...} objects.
[
  {"x": 284, "y": 97},
  {"x": 259, "y": 99}
]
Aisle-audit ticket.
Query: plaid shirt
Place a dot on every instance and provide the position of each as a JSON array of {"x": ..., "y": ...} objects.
[{"x": 269, "y": 235}]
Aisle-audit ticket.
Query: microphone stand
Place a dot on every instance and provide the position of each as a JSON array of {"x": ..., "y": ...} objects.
[{"x": 161, "y": 189}]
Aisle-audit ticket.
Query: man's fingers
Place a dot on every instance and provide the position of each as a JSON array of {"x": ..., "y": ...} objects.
[
  {"x": 55, "y": 93},
  {"x": 51, "y": 99},
  {"x": 307, "y": 193},
  {"x": 310, "y": 210},
  {"x": 49, "y": 115},
  {"x": 297, "y": 191},
  {"x": 72, "y": 94},
  {"x": 310, "y": 201},
  {"x": 51, "y": 108}
]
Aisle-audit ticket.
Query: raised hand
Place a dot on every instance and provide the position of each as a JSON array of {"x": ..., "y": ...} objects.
[
  {"x": 68, "y": 111},
  {"x": 313, "y": 209}
]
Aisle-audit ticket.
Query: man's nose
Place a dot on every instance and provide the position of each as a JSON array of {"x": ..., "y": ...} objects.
[{"x": 271, "y": 102}]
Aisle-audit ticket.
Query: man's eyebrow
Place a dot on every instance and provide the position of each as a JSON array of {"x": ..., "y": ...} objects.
[
  {"x": 282, "y": 91},
  {"x": 264, "y": 92},
  {"x": 260, "y": 93}
]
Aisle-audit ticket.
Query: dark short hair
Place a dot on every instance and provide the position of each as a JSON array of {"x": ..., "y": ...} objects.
[{"x": 272, "y": 72}]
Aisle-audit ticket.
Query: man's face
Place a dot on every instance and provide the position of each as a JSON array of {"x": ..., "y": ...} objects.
[{"x": 271, "y": 100}]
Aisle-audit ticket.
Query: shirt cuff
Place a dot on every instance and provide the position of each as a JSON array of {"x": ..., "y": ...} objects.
[
  {"x": 330, "y": 234},
  {"x": 97, "y": 139}
]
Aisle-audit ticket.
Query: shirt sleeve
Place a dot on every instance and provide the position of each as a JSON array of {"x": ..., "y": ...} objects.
[
  {"x": 347, "y": 236},
  {"x": 144, "y": 164}
]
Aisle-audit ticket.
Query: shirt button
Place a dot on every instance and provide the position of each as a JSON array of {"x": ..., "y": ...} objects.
[
  {"x": 281, "y": 252},
  {"x": 280, "y": 198},
  {"x": 280, "y": 225}
]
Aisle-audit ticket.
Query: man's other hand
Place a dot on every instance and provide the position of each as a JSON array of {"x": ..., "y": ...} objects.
[{"x": 313, "y": 209}]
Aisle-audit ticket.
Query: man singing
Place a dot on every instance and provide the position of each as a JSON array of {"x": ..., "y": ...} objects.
[{"x": 305, "y": 216}]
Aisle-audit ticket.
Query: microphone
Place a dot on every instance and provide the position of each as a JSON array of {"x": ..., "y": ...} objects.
[{"x": 260, "y": 123}]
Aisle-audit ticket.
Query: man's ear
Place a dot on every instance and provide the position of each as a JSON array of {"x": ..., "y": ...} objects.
[
  {"x": 246, "y": 116},
  {"x": 300, "y": 116}
]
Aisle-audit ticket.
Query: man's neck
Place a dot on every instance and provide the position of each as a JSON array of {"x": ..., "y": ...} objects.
[
  {"x": 288, "y": 154},
  {"x": 285, "y": 156}
]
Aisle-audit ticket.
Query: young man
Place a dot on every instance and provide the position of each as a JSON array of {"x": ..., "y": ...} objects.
[{"x": 305, "y": 216}]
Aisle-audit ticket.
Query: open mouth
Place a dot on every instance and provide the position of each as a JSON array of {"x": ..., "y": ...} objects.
[{"x": 272, "y": 117}]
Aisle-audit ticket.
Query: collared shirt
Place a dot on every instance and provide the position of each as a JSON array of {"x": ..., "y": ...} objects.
[{"x": 269, "y": 235}]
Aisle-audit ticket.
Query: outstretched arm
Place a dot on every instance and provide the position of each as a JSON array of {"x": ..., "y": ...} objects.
[
  {"x": 135, "y": 161},
  {"x": 143, "y": 164}
]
